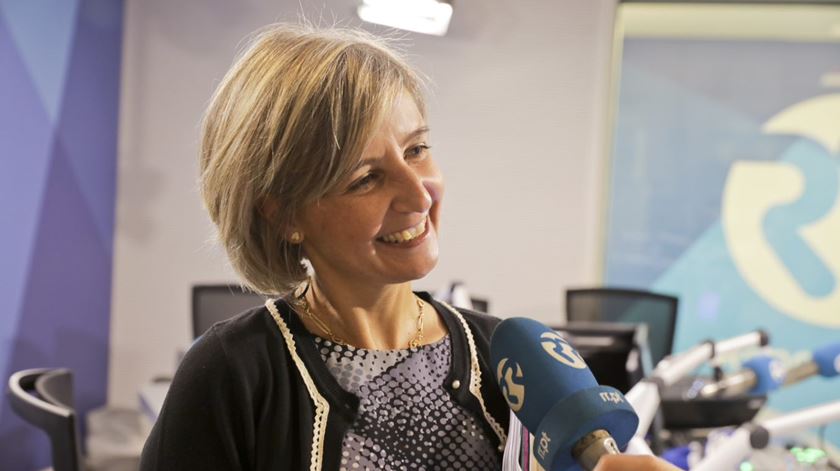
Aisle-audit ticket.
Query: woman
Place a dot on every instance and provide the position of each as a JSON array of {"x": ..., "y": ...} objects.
[{"x": 316, "y": 169}]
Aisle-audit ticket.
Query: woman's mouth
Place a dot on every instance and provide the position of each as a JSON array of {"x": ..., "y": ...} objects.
[{"x": 405, "y": 235}]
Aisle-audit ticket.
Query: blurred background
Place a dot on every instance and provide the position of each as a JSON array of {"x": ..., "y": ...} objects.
[{"x": 685, "y": 148}]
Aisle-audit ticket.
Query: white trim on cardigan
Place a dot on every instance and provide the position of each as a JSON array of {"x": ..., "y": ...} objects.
[
  {"x": 475, "y": 378},
  {"x": 322, "y": 407}
]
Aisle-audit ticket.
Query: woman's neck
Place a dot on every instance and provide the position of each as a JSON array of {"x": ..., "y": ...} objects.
[{"x": 384, "y": 318}]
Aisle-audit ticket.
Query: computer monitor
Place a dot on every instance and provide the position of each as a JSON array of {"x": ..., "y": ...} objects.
[
  {"x": 657, "y": 311},
  {"x": 214, "y": 303},
  {"x": 617, "y": 354}
]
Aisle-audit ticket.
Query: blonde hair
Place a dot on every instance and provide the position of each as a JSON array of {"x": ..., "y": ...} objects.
[{"x": 287, "y": 124}]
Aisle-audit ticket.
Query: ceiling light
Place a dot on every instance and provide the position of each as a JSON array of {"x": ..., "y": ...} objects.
[{"x": 420, "y": 16}]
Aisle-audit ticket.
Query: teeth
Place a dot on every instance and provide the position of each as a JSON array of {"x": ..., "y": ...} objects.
[{"x": 405, "y": 235}]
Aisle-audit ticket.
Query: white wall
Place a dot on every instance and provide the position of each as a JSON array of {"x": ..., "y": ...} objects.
[{"x": 518, "y": 118}]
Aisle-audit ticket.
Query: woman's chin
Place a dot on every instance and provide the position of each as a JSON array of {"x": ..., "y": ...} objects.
[{"x": 415, "y": 271}]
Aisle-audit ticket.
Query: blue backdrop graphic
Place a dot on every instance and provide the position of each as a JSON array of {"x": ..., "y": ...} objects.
[
  {"x": 59, "y": 90},
  {"x": 712, "y": 199}
]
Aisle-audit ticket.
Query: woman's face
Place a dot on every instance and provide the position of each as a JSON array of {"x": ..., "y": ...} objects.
[{"x": 380, "y": 226}]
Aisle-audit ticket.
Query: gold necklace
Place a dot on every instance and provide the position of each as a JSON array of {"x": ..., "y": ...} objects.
[{"x": 413, "y": 343}]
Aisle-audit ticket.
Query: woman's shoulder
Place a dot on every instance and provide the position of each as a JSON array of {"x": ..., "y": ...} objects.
[
  {"x": 247, "y": 337},
  {"x": 482, "y": 320},
  {"x": 244, "y": 325},
  {"x": 232, "y": 375}
]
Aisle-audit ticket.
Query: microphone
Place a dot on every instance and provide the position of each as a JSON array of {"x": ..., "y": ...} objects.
[
  {"x": 763, "y": 374},
  {"x": 825, "y": 361},
  {"x": 756, "y": 436},
  {"x": 760, "y": 375},
  {"x": 548, "y": 386},
  {"x": 646, "y": 395}
]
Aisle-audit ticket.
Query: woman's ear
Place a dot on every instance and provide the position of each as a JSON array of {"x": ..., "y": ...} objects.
[{"x": 270, "y": 210}]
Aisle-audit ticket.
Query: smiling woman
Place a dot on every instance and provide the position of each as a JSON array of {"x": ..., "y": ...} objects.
[
  {"x": 317, "y": 170},
  {"x": 379, "y": 226},
  {"x": 316, "y": 167}
]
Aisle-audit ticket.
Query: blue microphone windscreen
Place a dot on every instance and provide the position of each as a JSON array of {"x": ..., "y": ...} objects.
[
  {"x": 535, "y": 367},
  {"x": 769, "y": 374},
  {"x": 827, "y": 359},
  {"x": 548, "y": 385}
]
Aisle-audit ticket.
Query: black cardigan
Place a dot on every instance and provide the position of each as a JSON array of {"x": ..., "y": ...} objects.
[{"x": 238, "y": 401}]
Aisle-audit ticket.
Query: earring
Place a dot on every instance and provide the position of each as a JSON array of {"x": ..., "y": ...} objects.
[{"x": 296, "y": 237}]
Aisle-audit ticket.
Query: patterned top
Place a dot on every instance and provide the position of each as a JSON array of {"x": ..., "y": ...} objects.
[{"x": 406, "y": 418}]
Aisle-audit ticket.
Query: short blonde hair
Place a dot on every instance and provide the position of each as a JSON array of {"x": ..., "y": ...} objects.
[{"x": 288, "y": 122}]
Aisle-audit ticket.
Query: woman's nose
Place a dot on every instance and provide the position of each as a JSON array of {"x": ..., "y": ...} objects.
[{"x": 413, "y": 193}]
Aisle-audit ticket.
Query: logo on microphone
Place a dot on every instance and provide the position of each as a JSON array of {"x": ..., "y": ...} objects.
[
  {"x": 559, "y": 349},
  {"x": 542, "y": 449},
  {"x": 613, "y": 397},
  {"x": 513, "y": 392}
]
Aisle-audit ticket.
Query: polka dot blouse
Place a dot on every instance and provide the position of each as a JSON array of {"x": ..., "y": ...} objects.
[{"x": 406, "y": 419}]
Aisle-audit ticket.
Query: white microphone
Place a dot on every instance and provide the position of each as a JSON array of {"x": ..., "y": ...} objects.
[
  {"x": 646, "y": 395},
  {"x": 750, "y": 437},
  {"x": 763, "y": 374},
  {"x": 759, "y": 375},
  {"x": 825, "y": 361}
]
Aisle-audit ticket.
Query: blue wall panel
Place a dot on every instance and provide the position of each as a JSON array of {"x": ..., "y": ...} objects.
[
  {"x": 59, "y": 86},
  {"x": 725, "y": 192}
]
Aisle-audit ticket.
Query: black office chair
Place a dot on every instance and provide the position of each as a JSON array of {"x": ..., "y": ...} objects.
[
  {"x": 44, "y": 398},
  {"x": 214, "y": 303},
  {"x": 616, "y": 353},
  {"x": 657, "y": 311}
]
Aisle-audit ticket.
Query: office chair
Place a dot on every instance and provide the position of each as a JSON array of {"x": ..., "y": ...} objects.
[
  {"x": 44, "y": 398},
  {"x": 657, "y": 311},
  {"x": 214, "y": 303},
  {"x": 616, "y": 353}
]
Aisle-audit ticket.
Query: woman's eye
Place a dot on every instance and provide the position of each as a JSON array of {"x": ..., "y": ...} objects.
[
  {"x": 417, "y": 151},
  {"x": 364, "y": 182}
]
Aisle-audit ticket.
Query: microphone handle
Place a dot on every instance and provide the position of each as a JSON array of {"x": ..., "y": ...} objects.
[
  {"x": 592, "y": 446},
  {"x": 801, "y": 372},
  {"x": 732, "y": 385}
]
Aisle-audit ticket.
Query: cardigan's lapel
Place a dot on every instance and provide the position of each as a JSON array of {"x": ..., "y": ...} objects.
[{"x": 342, "y": 402}]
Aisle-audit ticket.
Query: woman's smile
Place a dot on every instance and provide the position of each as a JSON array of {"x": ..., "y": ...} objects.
[{"x": 404, "y": 236}]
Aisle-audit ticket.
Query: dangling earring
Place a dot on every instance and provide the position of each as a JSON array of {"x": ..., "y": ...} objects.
[{"x": 296, "y": 237}]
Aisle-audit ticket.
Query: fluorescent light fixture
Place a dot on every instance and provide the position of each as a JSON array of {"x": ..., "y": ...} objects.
[{"x": 420, "y": 16}]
